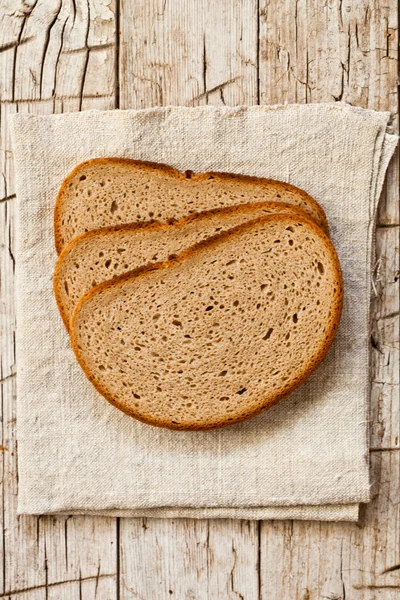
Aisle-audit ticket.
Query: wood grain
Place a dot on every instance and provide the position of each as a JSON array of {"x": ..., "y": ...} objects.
[
  {"x": 48, "y": 64},
  {"x": 190, "y": 559},
  {"x": 305, "y": 53},
  {"x": 188, "y": 53},
  {"x": 345, "y": 51},
  {"x": 63, "y": 55}
]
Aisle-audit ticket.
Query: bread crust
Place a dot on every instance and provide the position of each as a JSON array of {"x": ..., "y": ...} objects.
[
  {"x": 212, "y": 243},
  {"x": 156, "y": 226},
  {"x": 172, "y": 172}
]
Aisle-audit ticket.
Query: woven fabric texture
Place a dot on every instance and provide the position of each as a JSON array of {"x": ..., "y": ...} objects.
[{"x": 308, "y": 456}]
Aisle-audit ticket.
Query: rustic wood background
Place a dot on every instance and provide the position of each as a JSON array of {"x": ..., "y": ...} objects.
[{"x": 70, "y": 55}]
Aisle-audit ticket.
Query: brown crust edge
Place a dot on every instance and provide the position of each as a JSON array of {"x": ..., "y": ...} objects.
[
  {"x": 175, "y": 173},
  {"x": 156, "y": 225},
  {"x": 215, "y": 241}
]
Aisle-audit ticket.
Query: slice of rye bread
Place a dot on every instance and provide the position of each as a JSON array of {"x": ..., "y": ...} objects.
[
  {"x": 102, "y": 254},
  {"x": 219, "y": 333},
  {"x": 111, "y": 191}
]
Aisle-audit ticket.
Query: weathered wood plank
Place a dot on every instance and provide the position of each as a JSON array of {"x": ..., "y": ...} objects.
[
  {"x": 163, "y": 558},
  {"x": 385, "y": 424},
  {"x": 81, "y": 548},
  {"x": 46, "y": 66},
  {"x": 343, "y": 50},
  {"x": 189, "y": 559},
  {"x": 188, "y": 53},
  {"x": 310, "y": 560}
]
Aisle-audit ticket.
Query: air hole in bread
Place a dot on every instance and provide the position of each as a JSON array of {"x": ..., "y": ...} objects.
[
  {"x": 114, "y": 207},
  {"x": 242, "y": 391},
  {"x": 176, "y": 323},
  {"x": 66, "y": 288},
  {"x": 82, "y": 178},
  {"x": 268, "y": 334},
  {"x": 295, "y": 318},
  {"x": 321, "y": 268}
]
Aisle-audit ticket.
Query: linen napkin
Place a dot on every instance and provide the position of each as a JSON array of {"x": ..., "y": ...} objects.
[{"x": 307, "y": 458}]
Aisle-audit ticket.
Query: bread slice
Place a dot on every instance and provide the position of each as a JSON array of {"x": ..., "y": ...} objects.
[
  {"x": 217, "y": 334},
  {"x": 111, "y": 191},
  {"x": 102, "y": 254}
]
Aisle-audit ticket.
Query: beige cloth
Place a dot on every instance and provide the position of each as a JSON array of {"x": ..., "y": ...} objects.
[{"x": 307, "y": 457}]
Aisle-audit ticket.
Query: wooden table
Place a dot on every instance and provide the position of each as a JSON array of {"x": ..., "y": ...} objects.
[{"x": 70, "y": 55}]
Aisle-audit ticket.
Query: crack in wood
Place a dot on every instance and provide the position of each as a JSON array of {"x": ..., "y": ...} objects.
[
  {"x": 46, "y": 46},
  {"x": 54, "y": 584},
  {"x": 391, "y": 315},
  {"x": 4, "y": 379},
  {"x": 395, "y": 449},
  {"x": 376, "y": 587},
  {"x": 14, "y": 67},
  {"x": 339, "y": 97},
  {"x": 118, "y": 558},
  {"x": 375, "y": 345},
  {"x": 88, "y": 47},
  {"x": 74, "y": 12},
  {"x": 117, "y": 43},
  {"x": 97, "y": 579},
  {"x": 391, "y": 569},
  {"x": 7, "y": 198},
  {"x": 212, "y": 90},
  {"x": 341, "y": 573},
  {"x": 10, "y": 45},
  {"x": 11, "y": 256},
  {"x": 85, "y": 66},
  {"x": 58, "y": 59},
  {"x": 204, "y": 74},
  {"x": 388, "y": 226},
  {"x": 66, "y": 542},
  {"x": 238, "y": 594},
  {"x": 46, "y": 571},
  {"x": 80, "y": 584}
]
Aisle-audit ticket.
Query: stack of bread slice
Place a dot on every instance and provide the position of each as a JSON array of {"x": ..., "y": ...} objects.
[{"x": 193, "y": 301}]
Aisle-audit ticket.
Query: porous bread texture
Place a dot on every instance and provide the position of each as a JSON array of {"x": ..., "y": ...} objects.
[
  {"x": 219, "y": 333},
  {"x": 102, "y": 254},
  {"x": 110, "y": 191}
]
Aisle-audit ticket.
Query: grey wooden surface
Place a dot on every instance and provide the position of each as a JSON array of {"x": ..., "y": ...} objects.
[{"x": 70, "y": 55}]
